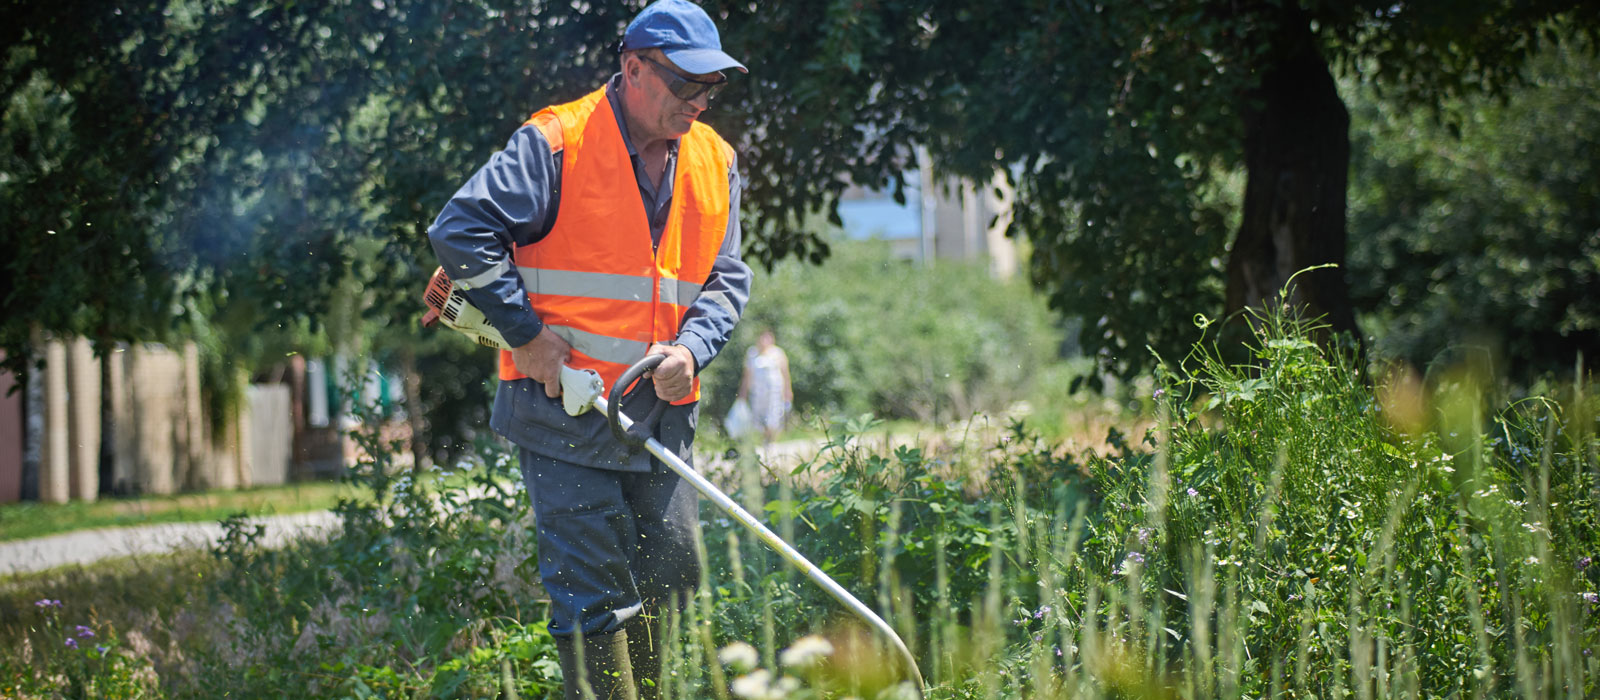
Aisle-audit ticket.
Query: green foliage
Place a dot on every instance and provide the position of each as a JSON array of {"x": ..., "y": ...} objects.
[
  {"x": 432, "y": 568},
  {"x": 1281, "y": 532},
  {"x": 1475, "y": 225},
  {"x": 257, "y": 160},
  {"x": 1123, "y": 127},
  {"x": 60, "y": 657},
  {"x": 869, "y": 333},
  {"x": 1283, "y": 483}
]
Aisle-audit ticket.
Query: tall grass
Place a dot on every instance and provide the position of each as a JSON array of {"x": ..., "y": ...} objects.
[{"x": 1285, "y": 531}]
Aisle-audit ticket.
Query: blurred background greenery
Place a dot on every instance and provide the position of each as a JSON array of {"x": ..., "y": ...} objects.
[{"x": 259, "y": 176}]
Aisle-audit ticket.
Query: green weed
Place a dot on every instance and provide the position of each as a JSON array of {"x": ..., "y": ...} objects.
[{"x": 1285, "y": 530}]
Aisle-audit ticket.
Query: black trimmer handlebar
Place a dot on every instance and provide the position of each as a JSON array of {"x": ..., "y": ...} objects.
[{"x": 635, "y": 435}]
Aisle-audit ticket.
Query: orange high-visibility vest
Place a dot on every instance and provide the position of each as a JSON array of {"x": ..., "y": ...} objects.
[{"x": 593, "y": 279}]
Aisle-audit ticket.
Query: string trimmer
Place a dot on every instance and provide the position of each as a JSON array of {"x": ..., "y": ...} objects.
[{"x": 582, "y": 390}]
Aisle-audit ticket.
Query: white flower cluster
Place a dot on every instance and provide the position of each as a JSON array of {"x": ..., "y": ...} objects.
[
  {"x": 806, "y": 652},
  {"x": 758, "y": 683}
]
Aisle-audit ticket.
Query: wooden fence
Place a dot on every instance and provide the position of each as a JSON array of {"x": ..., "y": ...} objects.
[{"x": 134, "y": 423}]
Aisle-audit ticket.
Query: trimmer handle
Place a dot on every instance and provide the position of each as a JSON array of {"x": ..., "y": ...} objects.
[{"x": 635, "y": 435}]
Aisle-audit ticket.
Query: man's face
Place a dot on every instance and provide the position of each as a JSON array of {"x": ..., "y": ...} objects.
[{"x": 657, "y": 109}]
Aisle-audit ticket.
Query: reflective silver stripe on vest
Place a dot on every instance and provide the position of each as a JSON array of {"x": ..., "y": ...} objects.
[
  {"x": 602, "y": 347},
  {"x": 678, "y": 292},
  {"x": 596, "y": 285}
]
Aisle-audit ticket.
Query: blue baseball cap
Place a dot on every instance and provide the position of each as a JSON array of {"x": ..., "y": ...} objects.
[{"x": 683, "y": 32}]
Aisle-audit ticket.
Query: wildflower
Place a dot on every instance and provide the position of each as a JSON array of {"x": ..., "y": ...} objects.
[
  {"x": 102, "y": 649},
  {"x": 1038, "y": 638},
  {"x": 1127, "y": 562},
  {"x": 71, "y": 643},
  {"x": 739, "y": 656},
  {"x": 755, "y": 686},
  {"x": 1591, "y": 597},
  {"x": 1192, "y": 492},
  {"x": 1530, "y": 561},
  {"x": 85, "y": 631},
  {"x": 47, "y": 603},
  {"x": 1041, "y": 613},
  {"x": 1583, "y": 563},
  {"x": 1144, "y": 535},
  {"x": 1159, "y": 393},
  {"x": 806, "y": 651},
  {"x": 1058, "y": 651},
  {"x": 759, "y": 686}
]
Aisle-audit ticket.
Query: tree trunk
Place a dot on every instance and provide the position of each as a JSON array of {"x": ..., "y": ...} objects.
[{"x": 1297, "y": 155}]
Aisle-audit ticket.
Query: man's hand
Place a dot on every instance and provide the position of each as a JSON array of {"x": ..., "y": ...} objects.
[
  {"x": 674, "y": 377},
  {"x": 542, "y": 358}
]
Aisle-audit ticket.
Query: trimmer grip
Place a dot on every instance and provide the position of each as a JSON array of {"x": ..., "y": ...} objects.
[{"x": 642, "y": 430}]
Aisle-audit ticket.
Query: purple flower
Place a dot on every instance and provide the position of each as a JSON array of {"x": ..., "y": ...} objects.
[
  {"x": 1038, "y": 638},
  {"x": 1058, "y": 651},
  {"x": 1584, "y": 562},
  {"x": 1591, "y": 597},
  {"x": 85, "y": 631},
  {"x": 1136, "y": 557},
  {"x": 72, "y": 643},
  {"x": 47, "y": 603},
  {"x": 1192, "y": 492},
  {"x": 1040, "y": 614},
  {"x": 102, "y": 650},
  {"x": 1159, "y": 393}
]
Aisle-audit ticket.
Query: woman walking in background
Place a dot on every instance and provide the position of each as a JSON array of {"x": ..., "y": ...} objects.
[{"x": 766, "y": 385}]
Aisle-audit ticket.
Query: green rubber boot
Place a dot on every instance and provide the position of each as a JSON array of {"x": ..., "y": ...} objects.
[{"x": 598, "y": 668}]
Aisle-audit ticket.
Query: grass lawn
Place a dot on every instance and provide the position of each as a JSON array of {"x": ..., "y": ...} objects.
[{"x": 27, "y": 520}]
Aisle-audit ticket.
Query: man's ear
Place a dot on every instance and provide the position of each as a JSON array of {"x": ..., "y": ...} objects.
[{"x": 632, "y": 67}]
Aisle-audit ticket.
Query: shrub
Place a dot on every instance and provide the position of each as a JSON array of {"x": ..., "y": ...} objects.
[
  {"x": 868, "y": 333},
  {"x": 1280, "y": 533}
]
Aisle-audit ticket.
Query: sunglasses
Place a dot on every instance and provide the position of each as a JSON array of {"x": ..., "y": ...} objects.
[{"x": 686, "y": 89}]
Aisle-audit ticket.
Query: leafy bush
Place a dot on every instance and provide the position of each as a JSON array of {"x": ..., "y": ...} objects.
[{"x": 1285, "y": 531}]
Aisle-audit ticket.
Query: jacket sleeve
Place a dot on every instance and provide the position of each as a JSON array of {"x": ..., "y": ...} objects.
[
  {"x": 504, "y": 203},
  {"x": 708, "y": 322}
]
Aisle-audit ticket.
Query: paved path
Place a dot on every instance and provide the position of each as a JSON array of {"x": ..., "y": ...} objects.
[{"x": 87, "y": 546}]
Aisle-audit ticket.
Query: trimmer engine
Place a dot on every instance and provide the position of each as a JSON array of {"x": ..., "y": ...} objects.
[{"x": 446, "y": 303}]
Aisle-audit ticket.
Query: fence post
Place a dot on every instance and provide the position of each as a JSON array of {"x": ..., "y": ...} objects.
[
  {"x": 83, "y": 421},
  {"x": 54, "y": 466}
]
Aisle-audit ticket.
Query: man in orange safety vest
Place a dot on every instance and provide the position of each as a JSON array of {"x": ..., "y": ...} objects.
[{"x": 607, "y": 229}]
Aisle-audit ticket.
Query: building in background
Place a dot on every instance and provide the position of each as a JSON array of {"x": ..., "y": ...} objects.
[{"x": 942, "y": 218}]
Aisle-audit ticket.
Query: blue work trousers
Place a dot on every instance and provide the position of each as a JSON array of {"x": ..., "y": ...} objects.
[{"x": 610, "y": 542}]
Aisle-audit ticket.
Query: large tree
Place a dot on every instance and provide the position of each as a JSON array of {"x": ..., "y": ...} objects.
[
  {"x": 1135, "y": 124},
  {"x": 1477, "y": 227},
  {"x": 1169, "y": 158}
]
